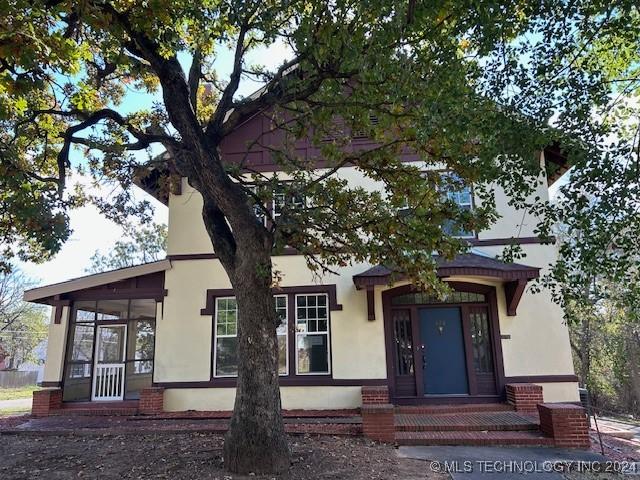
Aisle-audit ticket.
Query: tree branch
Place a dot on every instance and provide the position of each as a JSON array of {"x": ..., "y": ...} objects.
[
  {"x": 226, "y": 100},
  {"x": 195, "y": 73}
]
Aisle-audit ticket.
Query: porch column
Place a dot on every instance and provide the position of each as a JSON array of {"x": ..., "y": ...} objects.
[
  {"x": 525, "y": 397},
  {"x": 377, "y": 414},
  {"x": 151, "y": 401},
  {"x": 565, "y": 423}
]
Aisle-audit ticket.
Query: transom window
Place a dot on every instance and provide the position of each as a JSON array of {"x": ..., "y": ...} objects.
[{"x": 421, "y": 298}]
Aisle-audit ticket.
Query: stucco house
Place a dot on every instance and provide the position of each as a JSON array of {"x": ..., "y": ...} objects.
[{"x": 170, "y": 326}]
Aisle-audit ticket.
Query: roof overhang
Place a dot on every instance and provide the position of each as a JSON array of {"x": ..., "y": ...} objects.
[
  {"x": 42, "y": 294},
  {"x": 514, "y": 276}
]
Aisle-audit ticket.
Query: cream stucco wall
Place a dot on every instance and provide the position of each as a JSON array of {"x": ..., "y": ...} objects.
[
  {"x": 188, "y": 235},
  {"x": 293, "y": 398},
  {"x": 56, "y": 340},
  {"x": 357, "y": 345}
]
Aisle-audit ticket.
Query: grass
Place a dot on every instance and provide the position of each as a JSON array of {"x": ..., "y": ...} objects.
[
  {"x": 14, "y": 411},
  {"x": 17, "y": 393}
]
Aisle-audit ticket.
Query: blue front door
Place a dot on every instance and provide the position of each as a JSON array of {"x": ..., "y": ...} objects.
[{"x": 444, "y": 361}]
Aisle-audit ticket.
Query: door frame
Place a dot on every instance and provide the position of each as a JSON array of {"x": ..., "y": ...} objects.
[
  {"x": 496, "y": 345},
  {"x": 96, "y": 363}
]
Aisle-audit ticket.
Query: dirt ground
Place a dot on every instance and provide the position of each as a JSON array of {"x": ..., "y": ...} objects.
[{"x": 192, "y": 456}]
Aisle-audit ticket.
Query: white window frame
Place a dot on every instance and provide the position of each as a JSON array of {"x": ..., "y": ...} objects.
[
  {"x": 328, "y": 372},
  {"x": 286, "y": 335},
  {"x": 216, "y": 336},
  {"x": 471, "y": 234}
]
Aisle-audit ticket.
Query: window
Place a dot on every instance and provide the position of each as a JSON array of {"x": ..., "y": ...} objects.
[
  {"x": 226, "y": 333},
  {"x": 226, "y": 358},
  {"x": 426, "y": 298},
  {"x": 282, "y": 331},
  {"x": 456, "y": 191},
  {"x": 282, "y": 199},
  {"x": 312, "y": 334}
]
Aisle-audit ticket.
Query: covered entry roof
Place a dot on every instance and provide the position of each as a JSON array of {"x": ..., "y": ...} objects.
[
  {"x": 469, "y": 264},
  {"x": 515, "y": 275}
]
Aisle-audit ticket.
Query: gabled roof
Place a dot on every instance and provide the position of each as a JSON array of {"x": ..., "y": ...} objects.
[
  {"x": 470, "y": 264},
  {"x": 95, "y": 280}
]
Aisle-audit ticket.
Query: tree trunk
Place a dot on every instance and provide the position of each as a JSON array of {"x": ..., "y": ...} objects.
[
  {"x": 633, "y": 348},
  {"x": 256, "y": 441}
]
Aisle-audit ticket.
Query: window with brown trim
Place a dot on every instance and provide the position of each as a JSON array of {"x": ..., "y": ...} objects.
[
  {"x": 312, "y": 334},
  {"x": 225, "y": 357}
]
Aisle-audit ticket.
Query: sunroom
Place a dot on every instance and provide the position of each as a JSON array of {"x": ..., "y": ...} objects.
[{"x": 108, "y": 344}]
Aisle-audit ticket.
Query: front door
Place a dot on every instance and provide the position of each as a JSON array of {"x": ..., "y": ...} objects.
[
  {"x": 443, "y": 355},
  {"x": 109, "y": 369}
]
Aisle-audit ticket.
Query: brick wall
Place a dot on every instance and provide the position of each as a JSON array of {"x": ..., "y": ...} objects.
[
  {"x": 375, "y": 395},
  {"x": 151, "y": 401},
  {"x": 46, "y": 401},
  {"x": 378, "y": 422},
  {"x": 377, "y": 414},
  {"x": 566, "y": 423},
  {"x": 525, "y": 397}
]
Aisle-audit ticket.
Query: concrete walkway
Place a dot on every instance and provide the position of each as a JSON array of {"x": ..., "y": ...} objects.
[
  {"x": 619, "y": 429},
  {"x": 19, "y": 403},
  {"x": 468, "y": 463}
]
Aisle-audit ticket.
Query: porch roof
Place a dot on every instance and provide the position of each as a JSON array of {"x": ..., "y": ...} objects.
[
  {"x": 47, "y": 293},
  {"x": 514, "y": 275},
  {"x": 469, "y": 264}
]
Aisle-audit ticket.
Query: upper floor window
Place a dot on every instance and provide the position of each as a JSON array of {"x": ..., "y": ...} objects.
[
  {"x": 455, "y": 190},
  {"x": 283, "y": 199}
]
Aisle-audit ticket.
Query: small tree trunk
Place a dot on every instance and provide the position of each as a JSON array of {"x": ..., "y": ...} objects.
[
  {"x": 256, "y": 441},
  {"x": 633, "y": 348}
]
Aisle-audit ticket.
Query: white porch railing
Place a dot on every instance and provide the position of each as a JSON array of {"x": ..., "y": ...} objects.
[{"x": 108, "y": 383}]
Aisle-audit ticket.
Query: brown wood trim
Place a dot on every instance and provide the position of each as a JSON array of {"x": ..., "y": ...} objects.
[
  {"x": 58, "y": 305},
  {"x": 212, "y": 256},
  {"x": 295, "y": 381},
  {"x": 156, "y": 294},
  {"x": 330, "y": 290},
  {"x": 371, "y": 306},
  {"x": 472, "y": 381},
  {"x": 491, "y": 242},
  {"x": 191, "y": 256},
  {"x": 513, "y": 293},
  {"x": 542, "y": 379},
  {"x": 49, "y": 384}
]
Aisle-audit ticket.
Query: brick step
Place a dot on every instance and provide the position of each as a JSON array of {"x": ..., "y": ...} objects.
[
  {"x": 463, "y": 408},
  {"x": 126, "y": 407},
  {"x": 461, "y": 422},
  {"x": 473, "y": 438},
  {"x": 95, "y": 412}
]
